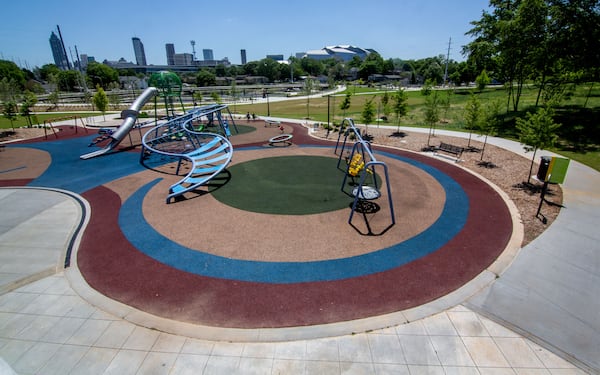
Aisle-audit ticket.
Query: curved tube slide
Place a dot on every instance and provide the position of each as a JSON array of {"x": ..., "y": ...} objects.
[{"x": 129, "y": 117}]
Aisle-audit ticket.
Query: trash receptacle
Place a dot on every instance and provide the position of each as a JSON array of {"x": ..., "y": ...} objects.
[{"x": 542, "y": 173}]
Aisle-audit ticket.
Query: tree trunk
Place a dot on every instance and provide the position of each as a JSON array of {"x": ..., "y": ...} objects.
[
  {"x": 542, "y": 85},
  {"x": 531, "y": 166},
  {"x": 509, "y": 96},
  {"x": 483, "y": 148},
  {"x": 517, "y": 97},
  {"x": 588, "y": 95}
]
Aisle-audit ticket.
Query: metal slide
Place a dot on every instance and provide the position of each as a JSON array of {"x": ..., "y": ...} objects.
[{"x": 129, "y": 117}]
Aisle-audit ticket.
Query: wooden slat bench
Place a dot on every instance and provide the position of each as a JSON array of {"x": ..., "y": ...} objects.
[{"x": 451, "y": 149}]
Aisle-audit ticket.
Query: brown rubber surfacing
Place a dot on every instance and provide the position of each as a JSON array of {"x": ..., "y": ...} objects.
[{"x": 113, "y": 267}]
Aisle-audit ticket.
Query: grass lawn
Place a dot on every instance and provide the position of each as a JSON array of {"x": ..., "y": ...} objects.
[
  {"x": 579, "y": 114},
  {"x": 39, "y": 118}
]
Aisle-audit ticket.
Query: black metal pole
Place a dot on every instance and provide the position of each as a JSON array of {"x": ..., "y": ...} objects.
[
  {"x": 328, "y": 123},
  {"x": 542, "y": 196}
]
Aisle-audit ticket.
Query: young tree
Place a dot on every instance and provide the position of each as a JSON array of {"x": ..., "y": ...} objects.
[
  {"x": 197, "y": 95},
  {"x": 400, "y": 106},
  {"x": 29, "y": 100},
  {"x": 427, "y": 87},
  {"x": 308, "y": 87},
  {"x": 54, "y": 98},
  {"x": 385, "y": 104},
  {"x": 215, "y": 97},
  {"x": 432, "y": 113},
  {"x": 446, "y": 102},
  {"x": 10, "y": 112},
  {"x": 472, "y": 115},
  {"x": 482, "y": 80},
  {"x": 537, "y": 131},
  {"x": 345, "y": 104},
  {"x": 368, "y": 114},
  {"x": 101, "y": 100},
  {"x": 491, "y": 122}
]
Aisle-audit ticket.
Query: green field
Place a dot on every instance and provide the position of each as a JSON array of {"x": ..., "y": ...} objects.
[
  {"x": 579, "y": 114},
  {"x": 39, "y": 118}
]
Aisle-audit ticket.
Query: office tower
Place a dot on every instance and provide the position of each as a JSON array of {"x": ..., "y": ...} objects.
[
  {"x": 138, "y": 49},
  {"x": 183, "y": 59},
  {"x": 58, "y": 52},
  {"x": 243, "y": 53},
  {"x": 170, "y": 53},
  {"x": 84, "y": 61},
  {"x": 208, "y": 54}
]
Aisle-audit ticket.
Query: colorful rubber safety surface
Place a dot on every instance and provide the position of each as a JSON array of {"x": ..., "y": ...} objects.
[{"x": 207, "y": 261}]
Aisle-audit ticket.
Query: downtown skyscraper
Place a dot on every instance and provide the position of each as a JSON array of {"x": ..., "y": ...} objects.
[
  {"x": 138, "y": 49},
  {"x": 170, "y": 47},
  {"x": 58, "y": 52}
]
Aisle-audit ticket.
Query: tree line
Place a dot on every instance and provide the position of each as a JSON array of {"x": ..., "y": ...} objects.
[{"x": 550, "y": 43}]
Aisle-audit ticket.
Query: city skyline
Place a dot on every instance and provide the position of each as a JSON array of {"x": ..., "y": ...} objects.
[{"x": 410, "y": 29}]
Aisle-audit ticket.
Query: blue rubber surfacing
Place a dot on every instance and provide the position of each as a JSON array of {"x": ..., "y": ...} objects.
[
  {"x": 148, "y": 241},
  {"x": 68, "y": 172}
]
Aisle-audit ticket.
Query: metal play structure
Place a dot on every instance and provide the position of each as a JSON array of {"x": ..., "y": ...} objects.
[
  {"x": 169, "y": 87},
  {"x": 362, "y": 164},
  {"x": 199, "y": 136},
  {"x": 163, "y": 84},
  {"x": 185, "y": 138},
  {"x": 129, "y": 117}
]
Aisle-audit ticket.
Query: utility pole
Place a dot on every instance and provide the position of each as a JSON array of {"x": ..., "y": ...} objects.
[
  {"x": 193, "y": 43},
  {"x": 447, "y": 58}
]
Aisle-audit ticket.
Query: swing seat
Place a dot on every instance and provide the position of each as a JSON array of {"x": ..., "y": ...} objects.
[{"x": 366, "y": 193}]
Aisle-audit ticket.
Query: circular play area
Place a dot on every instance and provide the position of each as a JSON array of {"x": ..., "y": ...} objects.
[{"x": 246, "y": 235}]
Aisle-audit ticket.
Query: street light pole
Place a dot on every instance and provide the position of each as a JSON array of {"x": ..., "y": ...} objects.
[{"x": 268, "y": 107}]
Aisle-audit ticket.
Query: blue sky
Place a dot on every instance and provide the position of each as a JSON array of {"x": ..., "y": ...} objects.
[{"x": 406, "y": 29}]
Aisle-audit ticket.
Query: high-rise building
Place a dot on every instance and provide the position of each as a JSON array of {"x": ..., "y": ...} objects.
[
  {"x": 183, "y": 59},
  {"x": 138, "y": 49},
  {"x": 208, "y": 54},
  {"x": 170, "y": 53},
  {"x": 84, "y": 59},
  {"x": 275, "y": 57},
  {"x": 58, "y": 52},
  {"x": 243, "y": 53}
]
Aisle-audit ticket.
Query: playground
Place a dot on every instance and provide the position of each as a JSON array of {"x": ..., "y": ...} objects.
[{"x": 267, "y": 242}]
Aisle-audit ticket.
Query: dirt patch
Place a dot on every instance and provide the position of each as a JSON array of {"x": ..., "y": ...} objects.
[{"x": 8, "y": 135}]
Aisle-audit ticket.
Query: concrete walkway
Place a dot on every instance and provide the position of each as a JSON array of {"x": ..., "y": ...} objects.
[{"x": 547, "y": 301}]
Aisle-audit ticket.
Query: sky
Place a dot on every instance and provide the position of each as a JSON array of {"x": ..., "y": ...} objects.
[{"x": 405, "y": 29}]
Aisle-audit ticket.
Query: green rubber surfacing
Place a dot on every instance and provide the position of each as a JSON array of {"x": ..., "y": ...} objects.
[{"x": 285, "y": 185}]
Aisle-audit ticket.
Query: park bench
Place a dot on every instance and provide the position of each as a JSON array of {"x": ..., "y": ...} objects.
[{"x": 451, "y": 149}]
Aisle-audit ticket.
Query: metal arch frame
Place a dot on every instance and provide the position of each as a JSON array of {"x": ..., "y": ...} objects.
[
  {"x": 180, "y": 127},
  {"x": 364, "y": 148},
  {"x": 217, "y": 109},
  {"x": 183, "y": 123}
]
